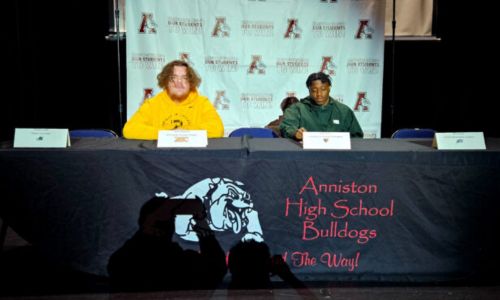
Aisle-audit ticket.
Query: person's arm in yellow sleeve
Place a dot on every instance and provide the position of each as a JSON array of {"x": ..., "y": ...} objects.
[
  {"x": 141, "y": 126},
  {"x": 211, "y": 121}
]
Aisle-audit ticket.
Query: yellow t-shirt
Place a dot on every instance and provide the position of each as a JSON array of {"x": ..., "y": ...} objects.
[{"x": 161, "y": 113}]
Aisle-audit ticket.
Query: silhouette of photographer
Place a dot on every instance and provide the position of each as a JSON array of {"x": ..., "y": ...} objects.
[
  {"x": 150, "y": 260},
  {"x": 251, "y": 266}
]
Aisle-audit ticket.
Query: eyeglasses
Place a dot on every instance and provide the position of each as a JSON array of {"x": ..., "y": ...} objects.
[{"x": 174, "y": 78}]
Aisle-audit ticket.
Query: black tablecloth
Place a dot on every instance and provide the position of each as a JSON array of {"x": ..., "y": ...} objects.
[{"x": 387, "y": 210}]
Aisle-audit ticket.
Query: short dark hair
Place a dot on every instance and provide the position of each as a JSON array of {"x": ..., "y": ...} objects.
[
  {"x": 287, "y": 102},
  {"x": 168, "y": 70},
  {"x": 318, "y": 76}
]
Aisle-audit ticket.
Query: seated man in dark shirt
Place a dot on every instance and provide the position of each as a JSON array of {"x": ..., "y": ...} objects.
[{"x": 319, "y": 112}]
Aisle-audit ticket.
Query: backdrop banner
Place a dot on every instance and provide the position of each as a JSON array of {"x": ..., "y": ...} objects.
[{"x": 252, "y": 54}]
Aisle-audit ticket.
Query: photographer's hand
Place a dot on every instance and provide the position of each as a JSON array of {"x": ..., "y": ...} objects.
[{"x": 201, "y": 227}]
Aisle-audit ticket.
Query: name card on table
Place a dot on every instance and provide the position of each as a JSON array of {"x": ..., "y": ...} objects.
[
  {"x": 459, "y": 141},
  {"x": 41, "y": 138},
  {"x": 182, "y": 139},
  {"x": 326, "y": 140}
]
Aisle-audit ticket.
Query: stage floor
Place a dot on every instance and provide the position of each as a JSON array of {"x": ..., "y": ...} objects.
[{"x": 23, "y": 276}]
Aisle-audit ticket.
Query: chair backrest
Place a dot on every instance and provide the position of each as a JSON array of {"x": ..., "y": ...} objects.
[
  {"x": 256, "y": 132},
  {"x": 412, "y": 133},
  {"x": 92, "y": 133}
]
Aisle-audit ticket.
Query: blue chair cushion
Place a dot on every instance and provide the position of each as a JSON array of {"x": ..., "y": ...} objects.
[
  {"x": 95, "y": 133},
  {"x": 410, "y": 133},
  {"x": 256, "y": 132}
]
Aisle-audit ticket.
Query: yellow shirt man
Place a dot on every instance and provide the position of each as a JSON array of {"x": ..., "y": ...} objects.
[{"x": 178, "y": 106}]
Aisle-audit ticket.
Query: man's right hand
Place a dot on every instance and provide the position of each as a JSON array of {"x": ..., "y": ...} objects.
[{"x": 299, "y": 133}]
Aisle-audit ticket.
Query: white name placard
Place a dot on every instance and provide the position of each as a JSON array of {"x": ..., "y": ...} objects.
[
  {"x": 182, "y": 138},
  {"x": 41, "y": 138},
  {"x": 459, "y": 141},
  {"x": 326, "y": 140}
]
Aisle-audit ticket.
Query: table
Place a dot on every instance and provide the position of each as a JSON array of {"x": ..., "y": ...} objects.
[{"x": 387, "y": 210}]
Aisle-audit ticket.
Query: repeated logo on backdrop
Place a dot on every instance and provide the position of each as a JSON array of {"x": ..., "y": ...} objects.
[
  {"x": 257, "y": 66},
  {"x": 293, "y": 31},
  {"x": 328, "y": 29},
  {"x": 257, "y": 28},
  {"x": 221, "y": 29},
  {"x": 248, "y": 60},
  {"x": 363, "y": 66},
  {"x": 221, "y": 64},
  {"x": 148, "y": 93},
  {"x": 221, "y": 102},
  {"x": 148, "y": 24},
  {"x": 147, "y": 61},
  {"x": 362, "y": 102},
  {"x": 185, "y": 25},
  {"x": 365, "y": 31},
  {"x": 292, "y": 65},
  {"x": 327, "y": 66},
  {"x": 184, "y": 56},
  {"x": 256, "y": 101}
]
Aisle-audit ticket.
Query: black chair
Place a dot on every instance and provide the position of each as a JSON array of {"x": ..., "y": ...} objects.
[
  {"x": 256, "y": 132},
  {"x": 414, "y": 133},
  {"x": 92, "y": 133}
]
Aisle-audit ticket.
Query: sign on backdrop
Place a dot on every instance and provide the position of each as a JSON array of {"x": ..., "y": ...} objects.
[{"x": 252, "y": 54}]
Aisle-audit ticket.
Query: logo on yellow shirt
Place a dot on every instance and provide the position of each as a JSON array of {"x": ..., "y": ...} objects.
[{"x": 175, "y": 121}]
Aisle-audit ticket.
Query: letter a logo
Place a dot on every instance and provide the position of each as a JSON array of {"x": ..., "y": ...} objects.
[
  {"x": 221, "y": 102},
  {"x": 293, "y": 30},
  {"x": 328, "y": 67},
  {"x": 148, "y": 25},
  {"x": 364, "y": 31},
  {"x": 148, "y": 93},
  {"x": 220, "y": 29},
  {"x": 257, "y": 64},
  {"x": 362, "y": 102},
  {"x": 184, "y": 56}
]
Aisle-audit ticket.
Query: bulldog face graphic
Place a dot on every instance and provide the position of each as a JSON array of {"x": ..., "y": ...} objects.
[{"x": 229, "y": 208}]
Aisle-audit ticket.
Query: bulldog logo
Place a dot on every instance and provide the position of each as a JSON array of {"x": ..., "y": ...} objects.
[{"x": 229, "y": 208}]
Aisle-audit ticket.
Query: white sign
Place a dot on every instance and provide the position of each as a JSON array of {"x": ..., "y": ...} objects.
[
  {"x": 41, "y": 138},
  {"x": 182, "y": 138},
  {"x": 459, "y": 141},
  {"x": 326, "y": 140}
]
